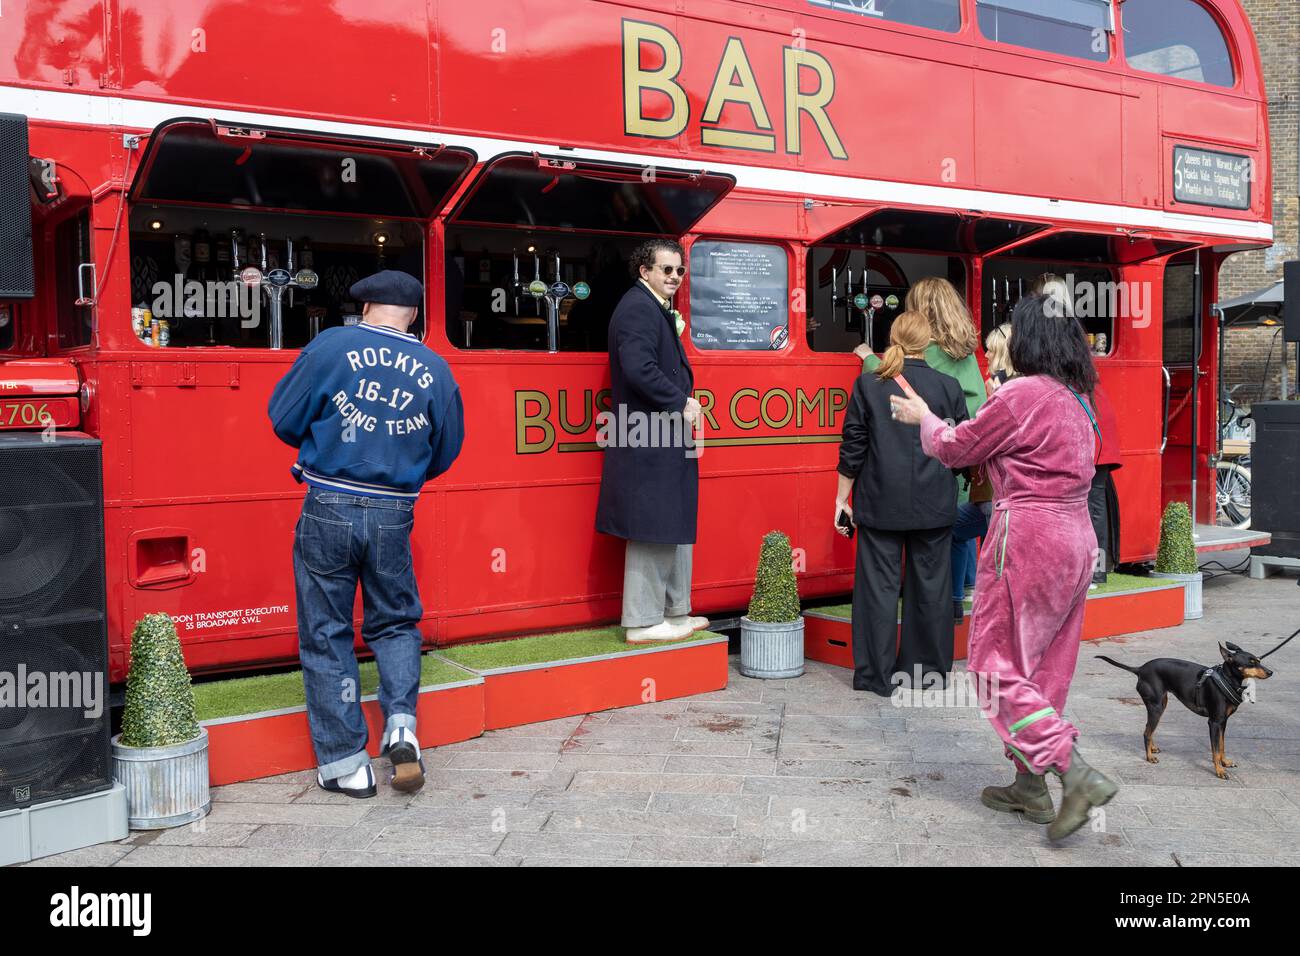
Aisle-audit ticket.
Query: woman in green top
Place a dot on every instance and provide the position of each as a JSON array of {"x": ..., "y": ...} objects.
[{"x": 951, "y": 351}]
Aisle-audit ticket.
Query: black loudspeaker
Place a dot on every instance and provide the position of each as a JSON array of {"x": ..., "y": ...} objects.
[
  {"x": 54, "y": 711},
  {"x": 1275, "y": 477},
  {"x": 1291, "y": 301},
  {"x": 17, "y": 280}
]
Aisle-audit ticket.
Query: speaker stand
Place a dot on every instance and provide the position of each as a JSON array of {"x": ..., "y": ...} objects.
[{"x": 62, "y": 825}]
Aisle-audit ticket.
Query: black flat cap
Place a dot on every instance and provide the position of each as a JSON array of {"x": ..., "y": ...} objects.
[{"x": 389, "y": 287}]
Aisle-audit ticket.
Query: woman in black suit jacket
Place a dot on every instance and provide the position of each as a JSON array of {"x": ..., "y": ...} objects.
[{"x": 904, "y": 506}]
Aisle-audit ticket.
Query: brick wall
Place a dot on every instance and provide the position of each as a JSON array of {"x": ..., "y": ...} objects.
[{"x": 1277, "y": 31}]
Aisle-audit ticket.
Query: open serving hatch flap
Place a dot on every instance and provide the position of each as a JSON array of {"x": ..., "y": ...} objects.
[
  {"x": 1103, "y": 248},
  {"x": 210, "y": 162},
  {"x": 526, "y": 190},
  {"x": 950, "y": 233}
]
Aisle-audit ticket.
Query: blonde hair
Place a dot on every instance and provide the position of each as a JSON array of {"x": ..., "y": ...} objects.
[
  {"x": 909, "y": 335},
  {"x": 997, "y": 348},
  {"x": 950, "y": 322}
]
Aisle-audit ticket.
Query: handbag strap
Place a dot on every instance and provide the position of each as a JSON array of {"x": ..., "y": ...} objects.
[{"x": 1091, "y": 418}]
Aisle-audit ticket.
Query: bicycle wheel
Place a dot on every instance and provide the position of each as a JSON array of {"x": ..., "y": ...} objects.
[{"x": 1232, "y": 490}]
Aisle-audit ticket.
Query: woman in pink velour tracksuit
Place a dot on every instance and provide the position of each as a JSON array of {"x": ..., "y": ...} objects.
[{"x": 1035, "y": 437}]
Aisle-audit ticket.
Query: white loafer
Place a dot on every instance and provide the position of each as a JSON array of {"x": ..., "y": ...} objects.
[
  {"x": 403, "y": 749},
  {"x": 360, "y": 783},
  {"x": 663, "y": 631},
  {"x": 685, "y": 620}
]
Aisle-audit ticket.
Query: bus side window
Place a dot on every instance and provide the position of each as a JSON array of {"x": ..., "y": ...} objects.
[
  {"x": 1179, "y": 317},
  {"x": 942, "y": 15},
  {"x": 501, "y": 284},
  {"x": 7, "y": 323},
  {"x": 1079, "y": 28},
  {"x": 1176, "y": 38},
  {"x": 854, "y": 294},
  {"x": 73, "y": 249},
  {"x": 1097, "y": 295}
]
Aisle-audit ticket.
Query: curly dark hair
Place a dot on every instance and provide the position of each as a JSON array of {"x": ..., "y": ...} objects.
[
  {"x": 644, "y": 254},
  {"x": 1047, "y": 344}
]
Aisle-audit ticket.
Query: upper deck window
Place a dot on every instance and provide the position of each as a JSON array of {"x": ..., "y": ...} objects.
[
  {"x": 1079, "y": 28},
  {"x": 942, "y": 15},
  {"x": 1176, "y": 38}
]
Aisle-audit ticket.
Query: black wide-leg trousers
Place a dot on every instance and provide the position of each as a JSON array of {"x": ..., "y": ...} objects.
[{"x": 919, "y": 564}]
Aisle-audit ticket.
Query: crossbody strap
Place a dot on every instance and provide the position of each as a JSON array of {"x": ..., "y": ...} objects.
[{"x": 1091, "y": 418}]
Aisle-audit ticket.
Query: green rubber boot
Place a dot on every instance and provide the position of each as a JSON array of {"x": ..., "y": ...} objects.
[
  {"x": 1084, "y": 788},
  {"x": 1028, "y": 794}
]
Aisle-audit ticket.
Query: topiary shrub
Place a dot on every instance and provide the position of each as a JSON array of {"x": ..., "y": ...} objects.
[
  {"x": 776, "y": 594},
  {"x": 159, "y": 699},
  {"x": 1177, "y": 553}
]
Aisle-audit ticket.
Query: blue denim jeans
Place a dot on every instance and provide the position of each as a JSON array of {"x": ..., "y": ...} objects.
[
  {"x": 972, "y": 523},
  {"x": 342, "y": 540}
]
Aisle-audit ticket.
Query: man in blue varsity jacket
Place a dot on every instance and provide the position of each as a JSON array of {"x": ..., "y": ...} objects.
[{"x": 374, "y": 414}]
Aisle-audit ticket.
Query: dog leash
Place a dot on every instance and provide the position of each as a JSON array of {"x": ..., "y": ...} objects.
[{"x": 1282, "y": 645}]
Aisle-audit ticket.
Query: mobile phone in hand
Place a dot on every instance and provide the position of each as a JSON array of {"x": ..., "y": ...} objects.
[{"x": 845, "y": 523}]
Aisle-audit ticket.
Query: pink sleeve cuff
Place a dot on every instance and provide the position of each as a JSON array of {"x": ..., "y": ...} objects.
[{"x": 932, "y": 427}]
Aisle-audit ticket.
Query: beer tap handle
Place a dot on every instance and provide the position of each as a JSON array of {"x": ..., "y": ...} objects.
[
  {"x": 514, "y": 285},
  {"x": 537, "y": 277},
  {"x": 848, "y": 296}
]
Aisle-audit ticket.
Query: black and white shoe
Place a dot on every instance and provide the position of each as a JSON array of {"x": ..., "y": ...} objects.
[
  {"x": 403, "y": 749},
  {"x": 360, "y": 783}
]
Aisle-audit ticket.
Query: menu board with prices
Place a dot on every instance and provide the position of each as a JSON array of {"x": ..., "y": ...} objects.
[
  {"x": 739, "y": 295},
  {"x": 1206, "y": 177}
]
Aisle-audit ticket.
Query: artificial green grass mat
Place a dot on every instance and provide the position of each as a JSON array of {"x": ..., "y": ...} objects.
[
  {"x": 1114, "y": 583},
  {"x": 1128, "y": 582},
  {"x": 551, "y": 647},
  {"x": 251, "y": 695}
]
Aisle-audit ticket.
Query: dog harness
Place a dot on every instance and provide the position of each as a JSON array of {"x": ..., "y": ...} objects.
[{"x": 1217, "y": 677}]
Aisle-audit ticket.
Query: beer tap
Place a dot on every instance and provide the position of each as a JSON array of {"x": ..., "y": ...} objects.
[
  {"x": 538, "y": 287},
  {"x": 835, "y": 294},
  {"x": 514, "y": 281},
  {"x": 848, "y": 296},
  {"x": 288, "y": 264},
  {"x": 869, "y": 320},
  {"x": 551, "y": 298}
]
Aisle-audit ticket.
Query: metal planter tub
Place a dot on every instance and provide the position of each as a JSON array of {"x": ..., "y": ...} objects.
[
  {"x": 771, "y": 651},
  {"x": 1192, "y": 609},
  {"x": 165, "y": 786}
]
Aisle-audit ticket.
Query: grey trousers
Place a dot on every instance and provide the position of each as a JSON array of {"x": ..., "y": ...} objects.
[{"x": 656, "y": 583}]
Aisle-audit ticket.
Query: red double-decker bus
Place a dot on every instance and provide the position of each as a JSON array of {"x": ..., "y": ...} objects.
[{"x": 816, "y": 157}]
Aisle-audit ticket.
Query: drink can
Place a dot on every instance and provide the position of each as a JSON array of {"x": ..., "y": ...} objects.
[{"x": 162, "y": 334}]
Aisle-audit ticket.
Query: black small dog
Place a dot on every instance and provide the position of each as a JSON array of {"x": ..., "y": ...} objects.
[{"x": 1212, "y": 692}]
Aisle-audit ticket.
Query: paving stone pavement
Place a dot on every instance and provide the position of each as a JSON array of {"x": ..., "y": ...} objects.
[{"x": 801, "y": 772}]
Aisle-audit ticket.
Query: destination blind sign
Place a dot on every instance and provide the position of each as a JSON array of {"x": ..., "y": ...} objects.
[
  {"x": 739, "y": 295},
  {"x": 1209, "y": 178}
]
